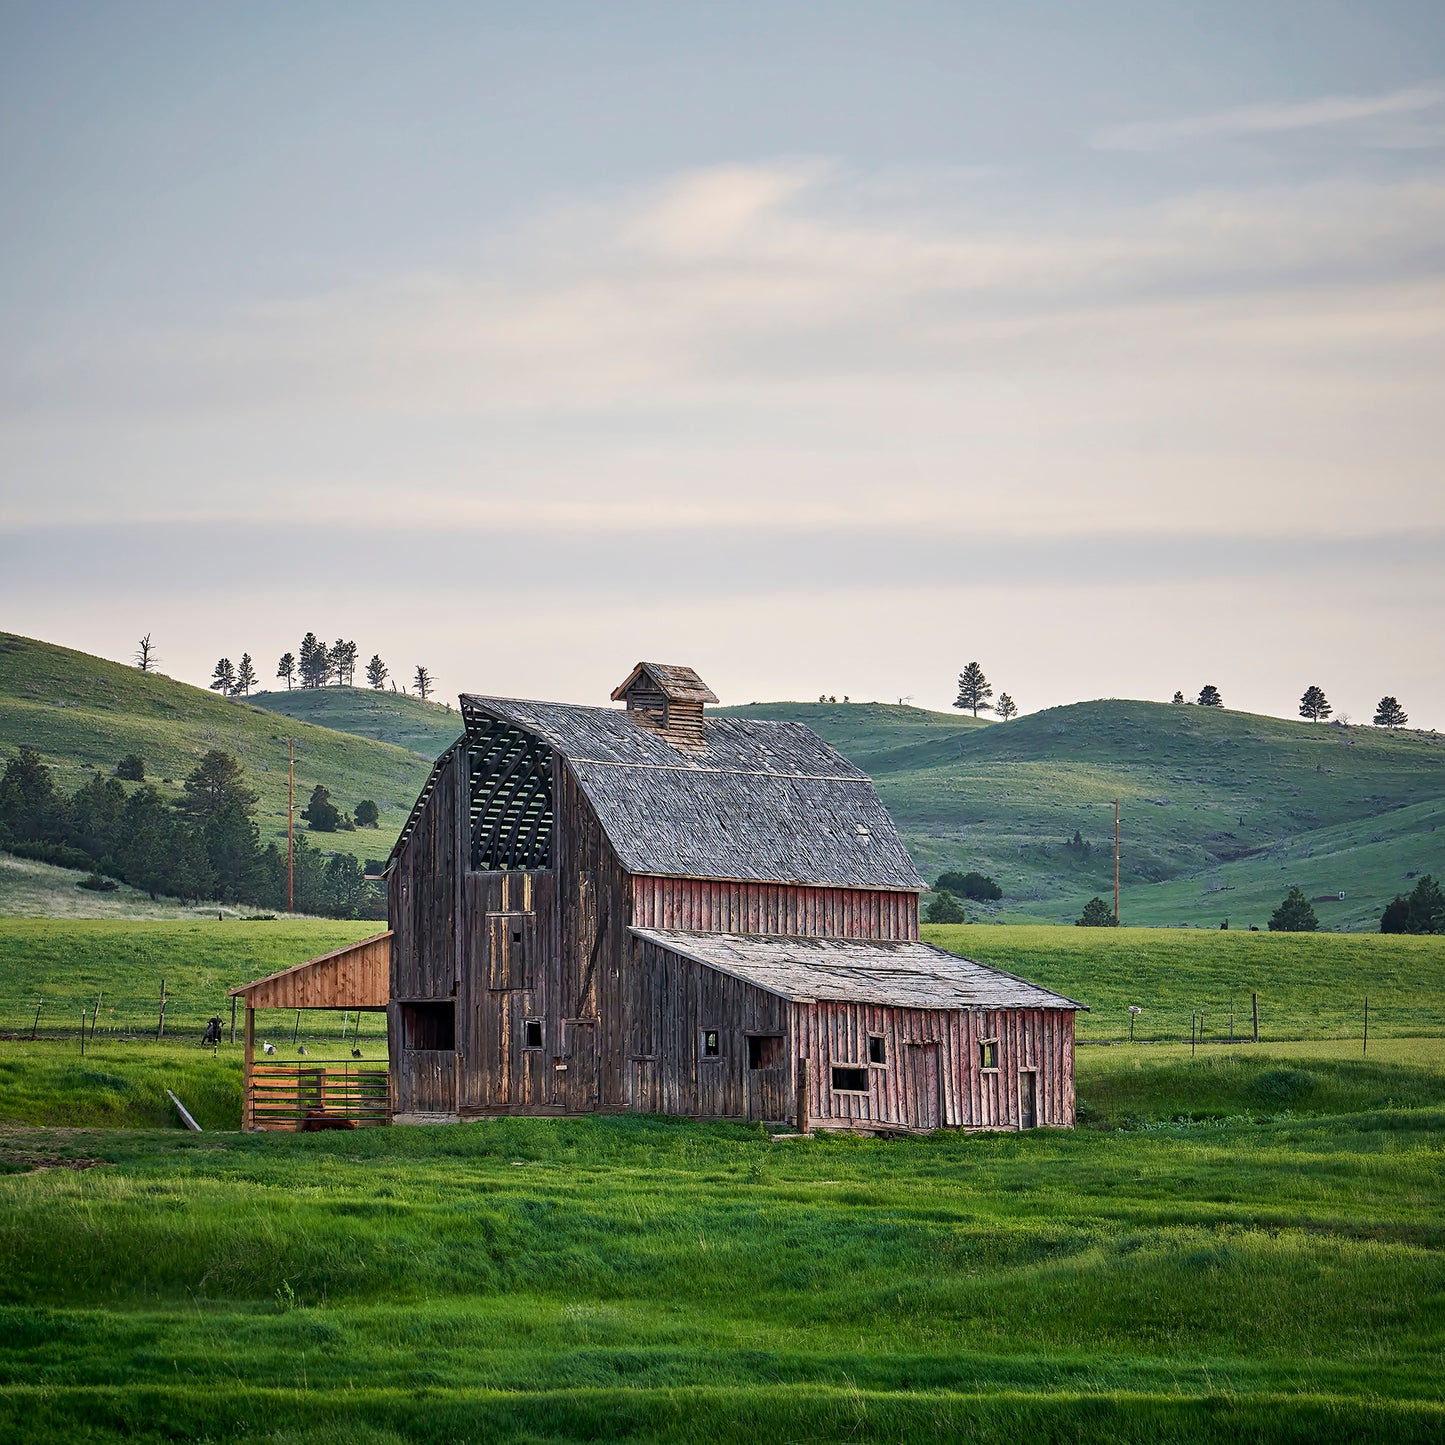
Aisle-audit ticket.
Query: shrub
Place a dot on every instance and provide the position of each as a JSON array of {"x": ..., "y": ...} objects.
[
  {"x": 131, "y": 768},
  {"x": 945, "y": 908},
  {"x": 368, "y": 815},
  {"x": 97, "y": 884},
  {"x": 1097, "y": 914},
  {"x": 977, "y": 886}
]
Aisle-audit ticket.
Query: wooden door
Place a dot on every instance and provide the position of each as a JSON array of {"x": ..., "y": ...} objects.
[
  {"x": 769, "y": 1096},
  {"x": 924, "y": 1102},
  {"x": 642, "y": 1095},
  {"x": 576, "y": 1085},
  {"x": 1028, "y": 1099},
  {"x": 428, "y": 1082}
]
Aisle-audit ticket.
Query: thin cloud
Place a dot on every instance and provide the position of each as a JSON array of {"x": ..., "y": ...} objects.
[{"x": 1270, "y": 117}]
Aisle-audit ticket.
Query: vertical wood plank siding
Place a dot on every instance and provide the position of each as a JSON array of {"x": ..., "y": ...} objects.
[
  {"x": 716, "y": 906},
  {"x": 969, "y": 1097}
]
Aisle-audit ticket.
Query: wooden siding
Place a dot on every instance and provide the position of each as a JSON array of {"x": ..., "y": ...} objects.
[
  {"x": 422, "y": 896},
  {"x": 717, "y": 906},
  {"x": 358, "y": 976},
  {"x": 675, "y": 1001},
  {"x": 1040, "y": 1041}
]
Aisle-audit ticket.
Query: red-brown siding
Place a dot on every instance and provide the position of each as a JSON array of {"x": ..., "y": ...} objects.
[{"x": 717, "y": 906}]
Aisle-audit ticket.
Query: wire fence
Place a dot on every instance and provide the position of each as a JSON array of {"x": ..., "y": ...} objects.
[{"x": 181, "y": 1016}]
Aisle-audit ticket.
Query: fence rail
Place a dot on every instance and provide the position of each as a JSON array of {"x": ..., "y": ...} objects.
[{"x": 319, "y": 1094}]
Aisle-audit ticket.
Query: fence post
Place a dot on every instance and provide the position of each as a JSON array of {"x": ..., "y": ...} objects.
[
  {"x": 161, "y": 1021},
  {"x": 82, "y": 1033},
  {"x": 1192, "y": 1018},
  {"x": 34, "y": 1028},
  {"x": 233, "y": 1018},
  {"x": 802, "y": 1095},
  {"x": 1254, "y": 1006},
  {"x": 95, "y": 1017}
]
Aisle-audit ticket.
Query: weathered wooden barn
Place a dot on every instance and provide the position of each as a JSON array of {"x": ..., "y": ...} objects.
[{"x": 648, "y": 908}]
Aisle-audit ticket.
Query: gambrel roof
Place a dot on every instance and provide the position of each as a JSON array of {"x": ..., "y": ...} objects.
[
  {"x": 898, "y": 972},
  {"x": 758, "y": 802}
]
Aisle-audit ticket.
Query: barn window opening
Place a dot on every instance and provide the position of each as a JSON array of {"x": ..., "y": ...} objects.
[
  {"x": 711, "y": 1044},
  {"x": 875, "y": 1049},
  {"x": 533, "y": 1033},
  {"x": 850, "y": 1080},
  {"x": 988, "y": 1054},
  {"x": 765, "y": 1051},
  {"x": 516, "y": 935},
  {"x": 429, "y": 1026}
]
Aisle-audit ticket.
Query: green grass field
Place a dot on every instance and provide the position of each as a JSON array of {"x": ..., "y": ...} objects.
[
  {"x": 425, "y": 728},
  {"x": 82, "y": 712},
  {"x": 1310, "y": 985},
  {"x": 1241, "y": 1243},
  {"x": 1221, "y": 811}
]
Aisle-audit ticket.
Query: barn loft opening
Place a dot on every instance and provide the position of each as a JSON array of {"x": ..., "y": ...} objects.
[
  {"x": 875, "y": 1049},
  {"x": 765, "y": 1051},
  {"x": 988, "y": 1054},
  {"x": 532, "y": 1036},
  {"x": 849, "y": 1080},
  {"x": 429, "y": 1026},
  {"x": 511, "y": 795}
]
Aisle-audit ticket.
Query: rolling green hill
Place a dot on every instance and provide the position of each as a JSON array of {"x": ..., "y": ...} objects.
[
  {"x": 425, "y": 728},
  {"x": 82, "y": 712},
  {"x": 1221, "y": 810}
]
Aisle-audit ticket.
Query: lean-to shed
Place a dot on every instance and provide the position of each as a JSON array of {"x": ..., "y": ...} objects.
[{"x": 650, "y": 908}]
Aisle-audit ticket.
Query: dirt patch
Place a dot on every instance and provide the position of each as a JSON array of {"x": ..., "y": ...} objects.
[{"x": 34, "y": 1163}]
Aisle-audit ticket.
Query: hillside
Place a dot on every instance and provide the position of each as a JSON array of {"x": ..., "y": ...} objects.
[
  {"x": 82, "y": 712},
  {"x": 1221, "y": 810},
  {"x": 425, "y": 728}
]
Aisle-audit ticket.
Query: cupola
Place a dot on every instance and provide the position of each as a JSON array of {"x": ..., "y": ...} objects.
[{"x": 667, "y": 700}]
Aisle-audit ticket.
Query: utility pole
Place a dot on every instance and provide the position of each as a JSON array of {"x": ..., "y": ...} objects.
[
  {"x": 290, "y": 825},
  {"x": 1116, "y": 862}
]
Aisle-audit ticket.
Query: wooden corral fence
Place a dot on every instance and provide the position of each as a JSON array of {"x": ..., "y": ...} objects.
[{"x": 319, "y": 1093}]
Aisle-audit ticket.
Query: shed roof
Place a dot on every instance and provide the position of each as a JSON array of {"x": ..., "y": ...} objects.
[
  {"x": 356, "y": 976},
  {"x": 673, "y": 681},
  {"x": 760, "y": 801},
  {"x": 856, "y": 970}
]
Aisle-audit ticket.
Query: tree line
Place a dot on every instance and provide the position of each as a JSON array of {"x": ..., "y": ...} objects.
[
  {"x": 204, "y": 845},
  {"x": 313, "y": 665}
]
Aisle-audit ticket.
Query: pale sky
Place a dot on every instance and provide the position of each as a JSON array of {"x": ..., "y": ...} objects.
[{"x": 823, "y": 347}]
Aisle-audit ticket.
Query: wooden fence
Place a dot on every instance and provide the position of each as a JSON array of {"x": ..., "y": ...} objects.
[{"x": 317, "y": 1094}]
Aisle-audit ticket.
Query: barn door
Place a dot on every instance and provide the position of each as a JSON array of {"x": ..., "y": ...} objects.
[
  {"x": 575, "y": 1083},
  {"x": 769, "y": 1096},
  {"x": 1028, "y": 1099},
  {"x": 642, "y": 1093},
  {"x": 924, "y": 1105}
]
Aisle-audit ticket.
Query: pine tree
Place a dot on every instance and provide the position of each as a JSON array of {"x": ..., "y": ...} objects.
[
  {"x": 1389, "y": 714},
  {"x": 321, "y": 814},
  {"x": 1294, "y": 915},
  {"x": 368, "y": 815},
  {"x": 286, "y": 668},
  {"x": 1209, "y": 696},
  {"x": 1177, "y": 699},
  {"x": 223, "y": 679},
  {"x": 215, "y": 783},
  {"x": 1314, "y": 704},
  {"x": 423, "y": 683},
  {"x": 1426, "y": 908},
  {"x": 145, "y": 654},
  {"x": 1007, "y": 708},
  {"x": 1097, "y": 914},
  {"x": 245, "y": 677},
  {"x": 315, "y": 661},
  {"x": 343, "y": 661},
  {"x": 376, "y": 672},
  {"x": 973, "y": 689}
]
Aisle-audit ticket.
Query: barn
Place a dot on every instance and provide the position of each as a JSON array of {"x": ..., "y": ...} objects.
[{"x": 647, "y": 908}]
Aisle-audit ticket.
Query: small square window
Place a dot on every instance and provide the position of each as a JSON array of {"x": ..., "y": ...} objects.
[
  {"x": 533, "y": 1033},
  {"x": 875, "y": 1049},
  {"x": 850, "y": 1080},
  {"x": 711, "y": 1044},
  {"x": 988, "y": 1054},
  {"x": 516, "y": 935}
]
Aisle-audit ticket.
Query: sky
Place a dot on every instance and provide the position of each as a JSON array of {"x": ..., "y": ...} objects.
[{"x": 824, "y": 347}]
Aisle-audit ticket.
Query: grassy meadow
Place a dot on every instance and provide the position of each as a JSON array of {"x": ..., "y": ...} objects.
[{"x": 1240, "y": 1243}]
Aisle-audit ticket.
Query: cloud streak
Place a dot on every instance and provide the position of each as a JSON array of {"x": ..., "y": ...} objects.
[{"x": 1272, "y": 117}]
